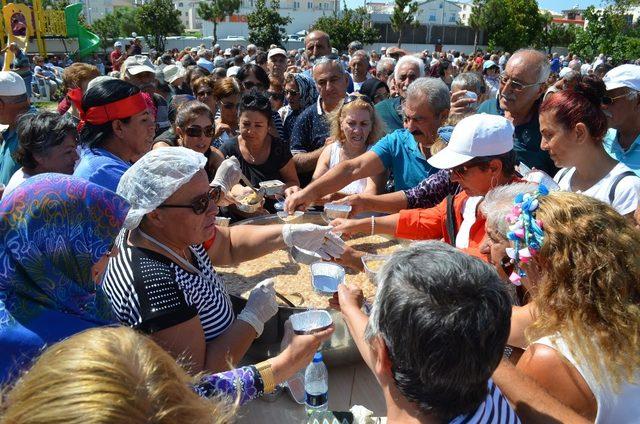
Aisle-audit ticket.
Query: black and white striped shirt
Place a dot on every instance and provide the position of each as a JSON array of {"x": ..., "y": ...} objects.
[
  {"x": 151, "y": 293},
  {"x": 494, "y": 410}
]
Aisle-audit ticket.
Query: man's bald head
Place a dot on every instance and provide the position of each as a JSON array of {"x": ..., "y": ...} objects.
[{"x": 317, "y": 44}]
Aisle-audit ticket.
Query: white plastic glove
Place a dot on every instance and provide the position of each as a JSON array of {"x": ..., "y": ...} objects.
[
  {"x": 261, "y": 305},
  {"x": 315, "y": 238},
  {"x": 228, "y": 174}
]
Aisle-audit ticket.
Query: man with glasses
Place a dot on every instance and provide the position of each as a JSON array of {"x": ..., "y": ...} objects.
[
  {"x": 311, "y": 130},
  {"x": 522, "y": 85},
  {"x": 13, "y": 104},
  {"x": 622, "y": 107},
  {"x": 407, "y": 70}
]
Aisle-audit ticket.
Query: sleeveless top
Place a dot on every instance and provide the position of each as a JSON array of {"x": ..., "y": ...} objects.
[{"x": 355, "y": 187}]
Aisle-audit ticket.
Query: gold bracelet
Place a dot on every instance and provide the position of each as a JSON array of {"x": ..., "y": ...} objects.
[{"x": 266, "y": 373}]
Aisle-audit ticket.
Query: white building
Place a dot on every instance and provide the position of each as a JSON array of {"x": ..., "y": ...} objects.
[
  {"x": 303, "y": 14},
  {"x": 431, "y": 12},
  {"x": 188, "y": 14},
  {"x": 96, "y": 9}
]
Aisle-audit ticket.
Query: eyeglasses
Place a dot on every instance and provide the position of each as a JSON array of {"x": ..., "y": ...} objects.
[
  {"x": 291, "y": 92},
  {"x": 257, "y": 101},
  {"x": 353, "y": 97},
  {"x": 517, "y": 86},
  {"x": 607, "y": 100},
  {"x": 248, "y": 85},
  {"x": 461, "y": 170},
  {"x": 204, "y": 93},
  {"x": 275, "y": 96},
  {"x": 197, "y": 131},
  {"x": 200, "y": 204},
  {"x": 230, "y": 105}
]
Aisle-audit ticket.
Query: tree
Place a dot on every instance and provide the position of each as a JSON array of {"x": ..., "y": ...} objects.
[
  {"x": 608, "y": 32},
  {"x": 266, "y": 26},
  {"x": 156, "y": 20},
  {"x": 510, "y": 24},
  {"x": 216, "y": 11},
  {"x": 554, "y": 35},
  {"x": 349, "y": 25},
  {"x": 120, "y": 23},
  {"x": 404, "y": 14}
]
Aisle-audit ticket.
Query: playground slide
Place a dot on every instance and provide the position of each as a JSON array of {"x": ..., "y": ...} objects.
[{"x": 88, "y": 42}]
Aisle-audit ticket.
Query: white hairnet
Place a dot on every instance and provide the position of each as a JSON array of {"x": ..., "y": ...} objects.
[{"x": 155, "y": 177}]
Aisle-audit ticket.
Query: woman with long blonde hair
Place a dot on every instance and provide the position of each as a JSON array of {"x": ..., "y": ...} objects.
[{"x": 582, "y": 262}]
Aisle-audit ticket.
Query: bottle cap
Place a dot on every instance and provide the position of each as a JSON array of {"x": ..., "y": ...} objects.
[{"x": 317, "y": 357}]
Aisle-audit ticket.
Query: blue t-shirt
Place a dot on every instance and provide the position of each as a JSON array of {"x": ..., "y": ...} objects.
[
  {"x": 7, "y": 164},
  {"x": 101, "y": 167},
  {"x": 630, "y": 157},
  {"x": 399, "y": 152}
]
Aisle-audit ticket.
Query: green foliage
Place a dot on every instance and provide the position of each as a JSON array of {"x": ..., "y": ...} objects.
[
  {"x": 404, "y": 14},
  {"x": 607, "y": 32},
  {"x": 348, "y": 26},
  {"x": 266, "y": 26},
  {"x": 554, "y": 35},
  {"x": 510, "y": 24},
  {"x": 158, "y": 19},
  {"x": 53, "y": 4},
  {"x": 120, "y": 23},
  {"x": 216, "y": 11}
]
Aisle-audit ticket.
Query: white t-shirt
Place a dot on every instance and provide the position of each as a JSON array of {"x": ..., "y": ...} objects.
[
  {"x": 627, "y": 192},
  {"x": 16, "y": 179},
  {"x": 620, "y": 407}
]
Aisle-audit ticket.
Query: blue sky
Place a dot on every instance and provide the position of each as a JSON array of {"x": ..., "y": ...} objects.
[{"x": 557, "y": 5}]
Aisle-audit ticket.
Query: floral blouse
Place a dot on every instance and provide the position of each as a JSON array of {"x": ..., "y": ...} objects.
[
  {"x": 431, "y": 191},
  {"x": 244, "y": 383}
]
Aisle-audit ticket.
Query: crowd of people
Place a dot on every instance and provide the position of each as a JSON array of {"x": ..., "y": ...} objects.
[{"x": 518, "y": 174}]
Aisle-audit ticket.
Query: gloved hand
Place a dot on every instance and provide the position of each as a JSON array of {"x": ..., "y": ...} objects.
[
  {"x": 228, "y": 174},
  {"x": 261, "y": 305},
  {"x": 316, "y": 238}
]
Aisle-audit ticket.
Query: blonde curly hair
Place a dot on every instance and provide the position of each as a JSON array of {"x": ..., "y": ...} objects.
[
  {"x": 108, "y": 375},
  {"x": 336, "y": 117},
  {"x": 589, "y": 287}
]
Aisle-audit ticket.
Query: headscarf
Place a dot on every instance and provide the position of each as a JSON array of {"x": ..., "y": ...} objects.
[
  {"x": 307, "y": 88},
  {"x": 53, "y": 229},
  {"x": 370, "y": 86}
]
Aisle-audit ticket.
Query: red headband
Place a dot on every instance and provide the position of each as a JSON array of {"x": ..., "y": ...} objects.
[{"x": 120, "y": 109}]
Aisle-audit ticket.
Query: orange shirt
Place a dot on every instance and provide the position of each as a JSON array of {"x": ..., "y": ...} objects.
[{"x": 424, "y": 224}]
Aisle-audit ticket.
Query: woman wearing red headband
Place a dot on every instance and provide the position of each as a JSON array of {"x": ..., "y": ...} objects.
[{"x": 116, "y": 128}]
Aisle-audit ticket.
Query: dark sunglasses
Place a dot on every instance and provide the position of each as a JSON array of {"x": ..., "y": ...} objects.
[
  {"x": 203, "y": 93},
  {"x": 248, "y": 85},
  {"x": 461, "y": 170},
  {"x": 197, "y": 131},
  {"x": 608, "y": 100},
  {"x": 353, "y": 97},
  {"x": 291, "y": 92},
  {"x": 200, "y": 204},
  {"x": 275, "y": 96},
  {"x": 250, "y": 100}
]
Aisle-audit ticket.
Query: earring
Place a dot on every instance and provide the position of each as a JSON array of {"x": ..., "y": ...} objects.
[{"x": 492, "y": 184}]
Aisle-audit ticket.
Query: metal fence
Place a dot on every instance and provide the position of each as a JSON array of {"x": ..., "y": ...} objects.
[{"x": 431, "y": 34}]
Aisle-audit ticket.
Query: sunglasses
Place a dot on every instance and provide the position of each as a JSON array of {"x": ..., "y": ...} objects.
[
  {"x": 204, "y": 93},
  {"x": 353, "y": 97},
  {"x": 197, "y": 131},
  {"x": 517, "y": 86},
  {"x": 461, "y": 170},
  {"x": 275, "y": 96},
  {"x": 248, "y": 85},
  {"x": 200, "y": 204},
  {"x": 230, "y": 105},
  {"x": 291, "y": 92},
  {"x": 250, "y": 100},
  {"x": 607, "y": 100}
]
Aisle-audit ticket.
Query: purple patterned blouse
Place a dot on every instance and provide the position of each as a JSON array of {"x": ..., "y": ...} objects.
[
  {"x": 244, "y": 383},
  {"x": 431, "y": 191}
]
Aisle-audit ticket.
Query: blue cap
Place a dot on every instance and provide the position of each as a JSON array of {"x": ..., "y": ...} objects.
[
  {"x": 488, "y": 64},
  {"x": 317, "y": 357}
]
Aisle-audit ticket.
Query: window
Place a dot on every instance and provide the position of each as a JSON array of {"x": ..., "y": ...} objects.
[
  {"x": 309, "y": 5},
  {"x": 440, "y": 6},
  {"x": 180, "y": 5},
  {"x": 432, "y": 18},
  {"x": 452, "y": 18}
]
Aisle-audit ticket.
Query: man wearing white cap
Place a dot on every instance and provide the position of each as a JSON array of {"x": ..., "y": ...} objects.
[
  {"x": 251, "y": 52},
  {"x": 174, "y": 76},
  {"x": 277, "y": 63},
  {"x": 14, "y": 102},
  {"x": 117, "y": 56},
  {"x": 479, "y": 157},
  {"x": 622, "y": 107}
]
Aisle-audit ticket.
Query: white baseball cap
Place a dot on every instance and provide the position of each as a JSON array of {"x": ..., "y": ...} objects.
[
  {"x": 11, "y": 84},
  {"x": 275, "y": 52},
  {"x": 564, "y": 71},
  {"x": 138, "y": 64},
  {"x": 623, "y": 76},
  {"x": 475, "y": 136},
  {"x": 117, "y": 44},
  {"x": 172, "y": 73}
]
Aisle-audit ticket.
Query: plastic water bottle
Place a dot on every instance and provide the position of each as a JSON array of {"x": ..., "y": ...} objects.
[{"x": 316, "y": 385}]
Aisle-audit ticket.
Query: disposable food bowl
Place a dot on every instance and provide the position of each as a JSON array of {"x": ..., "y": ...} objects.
[
  {"x": 373, "y": 264},
  {"x": 326, "y": 276},
  {"x": 310, "y": 322}
]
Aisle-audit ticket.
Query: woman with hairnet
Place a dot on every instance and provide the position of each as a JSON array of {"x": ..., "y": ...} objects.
[{"x": 163, "y": 282}]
